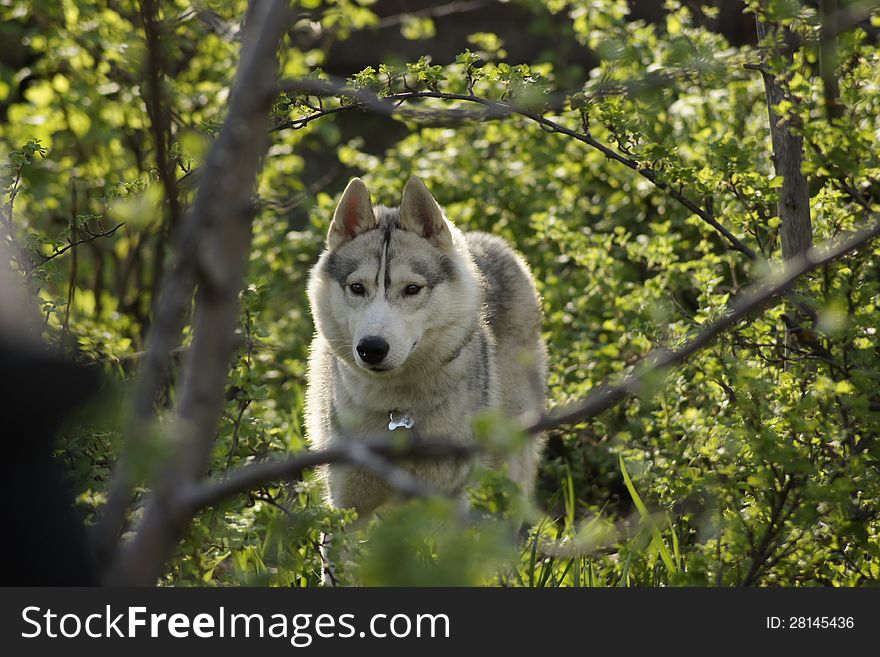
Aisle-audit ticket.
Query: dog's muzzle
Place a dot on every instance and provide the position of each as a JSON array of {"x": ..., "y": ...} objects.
[{"x": 372, "y": 349}]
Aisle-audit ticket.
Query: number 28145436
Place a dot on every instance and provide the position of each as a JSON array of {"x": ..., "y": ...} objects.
[{"x": 810, "y": 623}]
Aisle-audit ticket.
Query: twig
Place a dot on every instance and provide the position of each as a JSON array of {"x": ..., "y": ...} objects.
[
  {"x": 74, "y": 268},
  {"x": 89, "y": 237},
  {"x": 364, "y": 99}
]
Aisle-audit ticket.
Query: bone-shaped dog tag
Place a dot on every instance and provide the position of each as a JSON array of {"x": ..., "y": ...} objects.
[{"x": 400, "y": 419}]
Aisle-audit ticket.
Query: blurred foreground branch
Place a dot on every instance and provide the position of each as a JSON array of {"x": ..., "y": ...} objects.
[
  {"x": 213, "y": 254},
  {"x": 376, "y": 456}
]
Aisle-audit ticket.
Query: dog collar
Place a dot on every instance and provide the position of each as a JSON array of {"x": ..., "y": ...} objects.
[{"x": 400, "y": 419}]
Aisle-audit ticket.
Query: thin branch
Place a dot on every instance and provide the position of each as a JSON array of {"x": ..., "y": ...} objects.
[
  {"x": 160, "y": 126},
  {"x": 89, "y": 237},
  {"x": 74, "y": 269},
  {"x": 364, "y": 99},
  {"x": 761, "y": 553},
  {"x": 456, "y": 7}
]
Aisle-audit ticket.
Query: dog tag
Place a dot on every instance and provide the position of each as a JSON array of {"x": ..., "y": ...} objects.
[{"x": 400, "y": 419}]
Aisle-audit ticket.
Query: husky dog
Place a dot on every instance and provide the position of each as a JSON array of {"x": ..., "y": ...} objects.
[{"x": 420, "y": 327}]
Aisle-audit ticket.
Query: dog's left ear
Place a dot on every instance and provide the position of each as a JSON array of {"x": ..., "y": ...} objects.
[{"x": 420, "y": 214}]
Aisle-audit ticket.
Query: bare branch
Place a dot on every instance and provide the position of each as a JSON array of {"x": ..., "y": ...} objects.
[
  {"x": 439, "y": 11},
  {"x": 219, "y": 239},
  {"x": 374, "y": 455}
]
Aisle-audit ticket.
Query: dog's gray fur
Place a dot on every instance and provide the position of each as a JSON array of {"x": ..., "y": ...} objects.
[{"x": 468, "y": 341}]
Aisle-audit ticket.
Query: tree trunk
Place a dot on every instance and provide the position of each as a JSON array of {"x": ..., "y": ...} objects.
[
  {"x": 796, "y": 232},
  {"x": 828, "y": 59}
]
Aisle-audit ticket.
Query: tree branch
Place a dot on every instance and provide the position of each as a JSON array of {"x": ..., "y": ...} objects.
[
  {"x": 745, "y": 304},
  {"x": 89, "y": 237},
  {"x": 761, "y": 553},
  {"x": 220, "y": 240},
  {"x": 375, "y": 455},
  {"x": 365, "y": 99}
]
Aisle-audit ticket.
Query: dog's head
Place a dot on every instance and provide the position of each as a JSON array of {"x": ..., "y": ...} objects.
[{"x": 395, "y": 288}]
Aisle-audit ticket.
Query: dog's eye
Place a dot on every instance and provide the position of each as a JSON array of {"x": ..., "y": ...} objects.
[
  {"x": 412, "y": 290},
  {"x": 357, "y": 289}
]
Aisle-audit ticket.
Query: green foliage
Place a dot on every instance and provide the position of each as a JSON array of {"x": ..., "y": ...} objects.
[
  {"x": 405, "y": 550},
  {"x": 746, "y": 465}
]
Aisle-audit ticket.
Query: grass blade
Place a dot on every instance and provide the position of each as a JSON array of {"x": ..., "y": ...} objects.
[{"x": 657, "y": 539}]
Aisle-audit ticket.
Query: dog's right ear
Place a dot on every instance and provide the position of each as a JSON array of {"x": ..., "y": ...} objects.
[
  {"x": 353, "y": 215},
  {"x": 420, "y": 214}
]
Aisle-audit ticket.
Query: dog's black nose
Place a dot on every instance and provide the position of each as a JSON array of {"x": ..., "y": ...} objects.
[{"x": 372, "y": 349}]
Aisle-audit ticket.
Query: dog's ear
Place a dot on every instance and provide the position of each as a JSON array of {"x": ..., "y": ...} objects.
[
  {"x": 420, "y": 214},
  {"x": 353, "y": 215}
]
